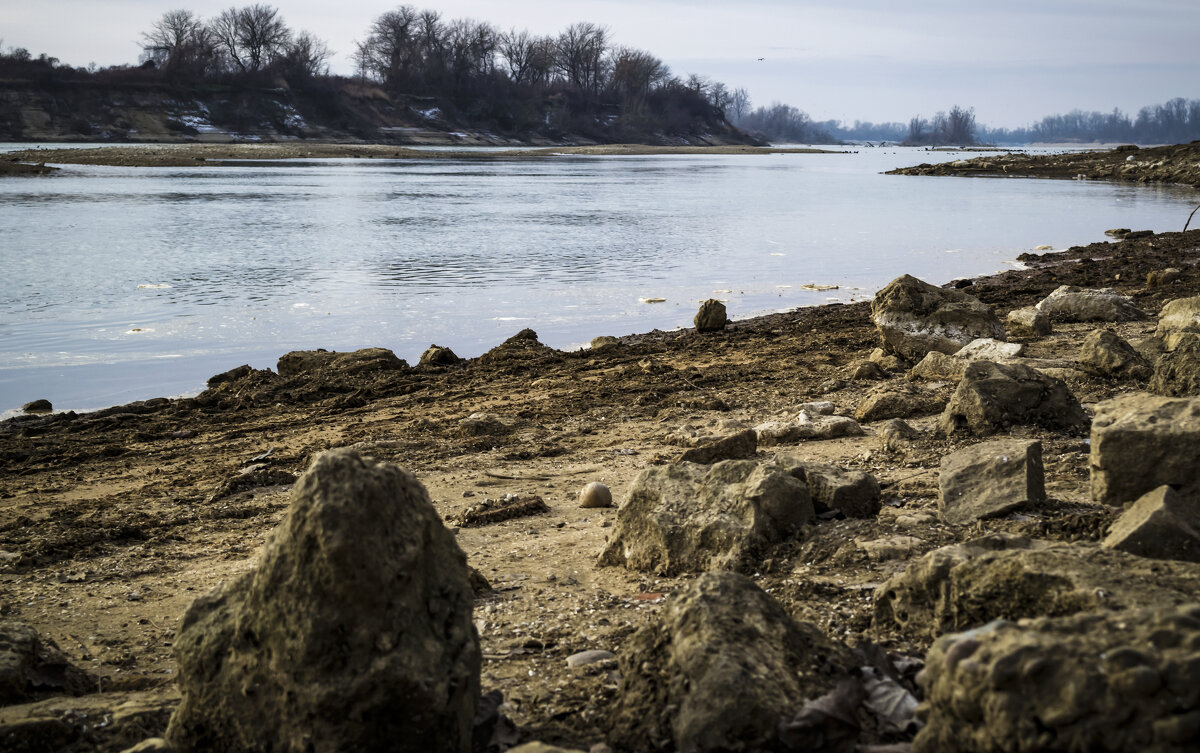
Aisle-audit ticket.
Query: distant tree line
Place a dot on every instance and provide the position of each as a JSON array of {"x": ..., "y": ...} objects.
[
  {"x": 577, "y": 81},
  {"x": 782, "y": 123},
  {"x": 1173, "y": 122}
]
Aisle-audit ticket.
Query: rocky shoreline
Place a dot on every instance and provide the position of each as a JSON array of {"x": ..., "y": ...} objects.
[
  {"x": 1178, "y": 164},
  {"x": 868, "y": 518}
]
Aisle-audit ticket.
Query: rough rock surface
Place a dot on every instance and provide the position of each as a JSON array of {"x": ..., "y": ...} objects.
[
  {"x": 898, "y": 401},
  {"x": 990, "y": 479},
  {"x": 1028, "y": 322},
  {"x": 362, "y": 361},
  {"x": 1141, "y": 442},
  {"x": 988, "y": 349},
  {"x": 1177, "y": 368},
  {"x": 603, "y": 341},
  {"x": 436, "y": 355},
  {"x": 855, "y": 493},
  {"x": 686, "y": 517},
  {"x": 234, "y": 374},
  {"x": 1074, "y": 304},
  {"x": 711, "y": 317},
  {"x": 483, "y": 424},
  {"x": 719, "y": 671},
  {"x": 1099, "y": 681},
  {"x": 964, "y": 586},
  {"x": 32, "y": 666},
  {"x": 734, "y": 447},
  {"x": 38, "y": 406},
  {"x": 1163, "y": 276},
  {"x": 1104, "y": 353},
  {"x": 1161, "y": 525},
  {"x": 896, "y": 433},
  {"x": 992, "y": 396},
  {"x": 360, "y": 605},
  {"x": 1179, "y": 315},
  {"x": 806, "y": 427},
  {"x": 914, "y": 317}
]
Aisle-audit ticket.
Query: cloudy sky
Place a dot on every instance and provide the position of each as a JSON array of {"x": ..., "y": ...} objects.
[{"x": 1012, "y": 60}]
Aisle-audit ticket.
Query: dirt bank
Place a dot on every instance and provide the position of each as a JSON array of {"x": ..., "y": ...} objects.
[
  {"x": 111, "y": 523},
  {"x": 1161, "y": 164},
  {"x": 191, "y": 155}
]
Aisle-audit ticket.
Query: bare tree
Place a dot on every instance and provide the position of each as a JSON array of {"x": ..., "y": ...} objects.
[
  {"x": 251, "y": 37},
  {"x": 739, "y": 104},
  {"x": 917, "y": 128},
  {"x": 635, "y": 73},
  {"x": 392, "y": 48},
  {"x": 580, "y": 55},
  {"x": 307, "y": 56},
  {"x": 180, "y": 44},
  {"x": 518, "y": 50}
]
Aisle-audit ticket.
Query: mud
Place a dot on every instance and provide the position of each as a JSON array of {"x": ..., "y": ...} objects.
[{"x": 111, "y": 523}]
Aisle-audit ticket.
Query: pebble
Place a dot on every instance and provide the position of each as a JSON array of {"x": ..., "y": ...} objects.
[
  {"x": 584, "y": 658},
  {"x": 595, "y": 495}
]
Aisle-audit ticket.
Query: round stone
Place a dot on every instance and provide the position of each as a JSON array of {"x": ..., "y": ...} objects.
[{"x": 595, "y": 494}]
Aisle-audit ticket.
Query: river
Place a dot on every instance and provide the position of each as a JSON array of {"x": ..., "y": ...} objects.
[{"x": 128, "y": 283}]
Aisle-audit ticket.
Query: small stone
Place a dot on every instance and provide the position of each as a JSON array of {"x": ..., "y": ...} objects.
[
  {"x": 1117, "y": 232},
  {"x": 1103, "y": 353},
  {"x": 1073, "y": 304},
  {"x": 436, "y": 355},
  {"x": 483, "y": 424},
  {"x": 38, "y": 406},
  {"x": 711, "y": 317},
  {"x": 1161, "y": 524},
  {"x": 1029, "y": 322},
  {"x": 736, "y": 447},
  {"x": 230, "y": 376},
  {"x": 990, "y": 349},
  {"x": 855, "y": 494},
  {"x": 990, "y": 479},
  {"x": 1163, "y": 276},
  {"x": 820, "y": 408},
  {"x": 898, "y": 401},
  {"x": 604, "y": 341},
  {"x": 896, "y": 433},
  {"x": 863, "y": 371},
  {"x": 595, "y": 495},
  {"x": 890, "y": 548},
  {"x": 584, "y": 658}
]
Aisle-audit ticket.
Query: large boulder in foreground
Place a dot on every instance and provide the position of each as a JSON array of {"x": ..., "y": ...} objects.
[
  {"x": 990, "y": 479},
  {"x": 1072, "y": 304},
  {"x": 1141, "y": 442},
  {"x": 33, "y": 666},
  {"x": 719, "y": 671},
  {"x": 914, "y": 317},
  {"x": 687, "y": 517},
  {"x": 365, "y": 361},
  {"x": 993, "y": 396},
  {"x": 1088, "y": 682},
  {"x": 1000, "y": 576},
  {"x": 353, "y": 631}
]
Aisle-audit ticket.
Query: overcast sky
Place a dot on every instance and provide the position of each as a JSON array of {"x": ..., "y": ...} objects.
[{"x": 1012, "y": 60}]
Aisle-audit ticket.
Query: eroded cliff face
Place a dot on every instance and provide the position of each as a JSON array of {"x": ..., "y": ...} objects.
[{"x": 338, "y": 111}]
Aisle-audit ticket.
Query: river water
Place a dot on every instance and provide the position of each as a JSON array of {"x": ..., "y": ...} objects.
[{"x": 129, "y": 283}]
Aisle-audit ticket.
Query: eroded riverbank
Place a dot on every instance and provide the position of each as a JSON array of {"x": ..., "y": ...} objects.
[{"x": 111, "y": 523}]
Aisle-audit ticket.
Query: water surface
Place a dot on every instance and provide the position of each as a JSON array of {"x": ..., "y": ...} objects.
[{"x": 130, "y": 283}]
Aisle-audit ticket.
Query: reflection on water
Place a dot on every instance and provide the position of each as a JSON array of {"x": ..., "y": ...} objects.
[{"x": 346, "y": 254}]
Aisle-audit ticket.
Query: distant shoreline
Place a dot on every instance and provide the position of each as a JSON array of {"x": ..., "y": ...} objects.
[{"x": 193, "y": 155}]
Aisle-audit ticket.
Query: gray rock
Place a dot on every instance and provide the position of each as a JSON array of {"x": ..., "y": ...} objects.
[
  {"x": 889, "y": 361},
  {"x": 818, "y": 408},
  {"x": 686, "y": 517},
  {"x": 937, "y": 366},
  {"x": 33, "y": 667},
  {"x": 865, "y": 371},
  {"x": 1001, "y": 576},
  {"x": 595, "y": 495},
  {"x": 988, "y": 349},
  {"x": 436, "y": 355},
  {"x": 855, "y": 493},
  {"x": 1141, "y": 442},
  {"x": 771, "y": 433},
  {"x": 1177, "y": 367},
  {"x": 989, "y": 479},
  {"x": 898, "y": 401},
  {"x": 1179, "y": 315},
  {"x": 1072, "y": 304},
  {"x": 719, "y": 670},
  {"x": 38, "y": 406},
  {"x": 991, "y": 397},
  {"x": 1127, "y": 681},
  {"x": 736, "y": 447},
  {"x": 365, "y": 361},
  {"x": 1029, "y": 322},
  {"x": 896, "y": 433},
  {"x": 604, "y": 341},
  {"x": 1161, "y": 524},
  {"x": 806, "y": 427},
  {"x": 359, "y": 605},
  {"x": 914, "y": 317},
  {"x": 584, "y": 658},
  {"x": 711, "y": 317},
  {"x": 1103, "y": 353},
  {"x": 233, "y": 375},
  {"x": 483, "y": 425}
]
